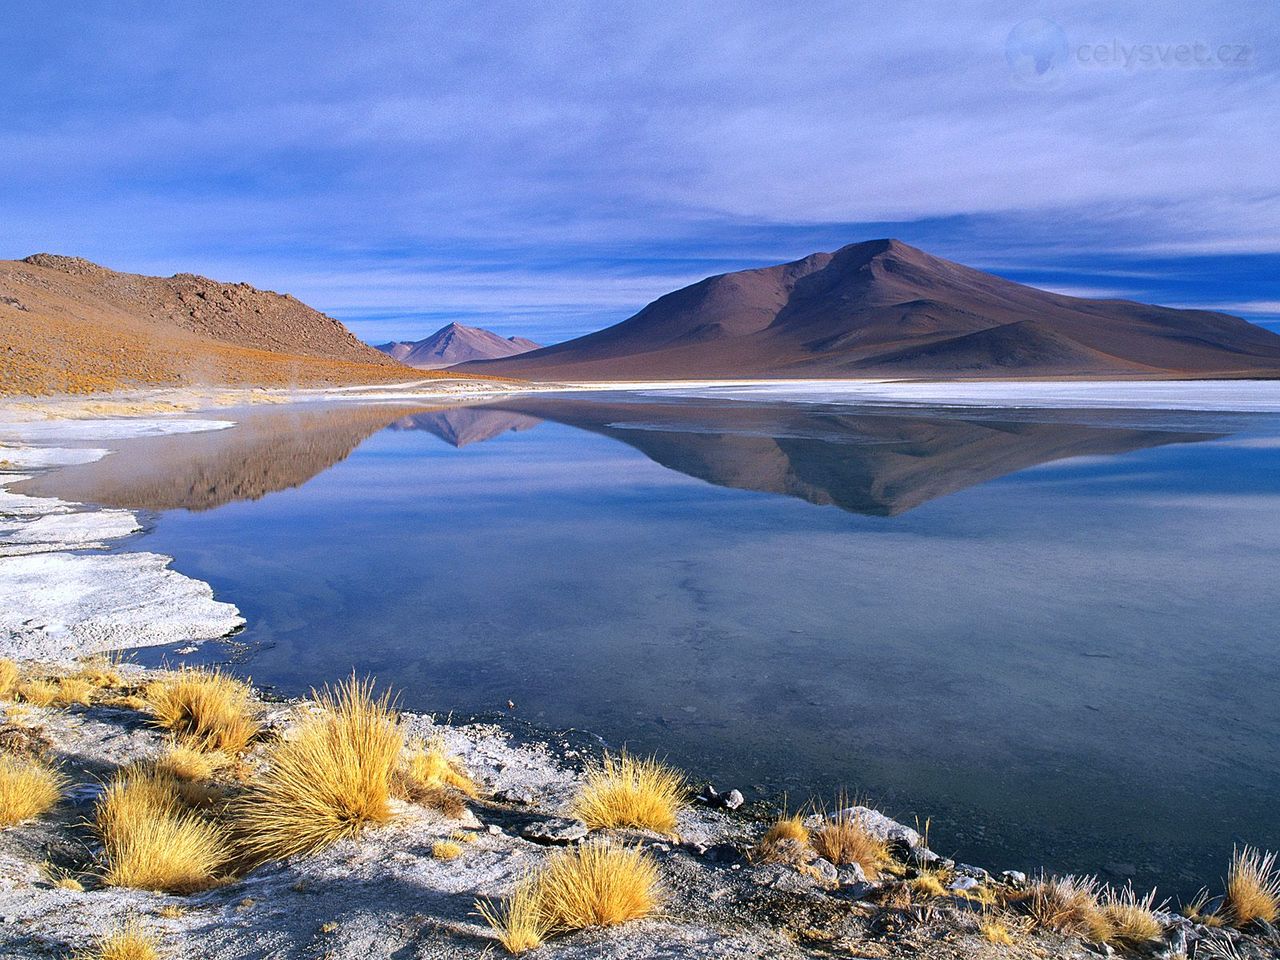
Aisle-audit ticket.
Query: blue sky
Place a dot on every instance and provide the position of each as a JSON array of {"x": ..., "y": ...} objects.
[{"x": 546, "y": 169}]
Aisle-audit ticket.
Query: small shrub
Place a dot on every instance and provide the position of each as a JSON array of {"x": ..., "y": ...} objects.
[
  {"x": 446, "y": 850},
  {"x": 1253, "y": 887},
  {"x": 28, "y": 788},
  {"x": 930, "y": 883},
  {"x": 626, "y": 791},
  {"x": 843, "y": 839},
  {"x": 38, "y": 692},
  {"x": 1197, "y": 911},
  {"x": 183, "y": 763},
  {"x": 329, "y": 781},
  {"x": 150, "y": 842},
  {"x": 129, "y": 942},
  {"x": 101, "y": 673},
  {"x": 205, "y": 709},
  {"x": 597, "y": 885}
]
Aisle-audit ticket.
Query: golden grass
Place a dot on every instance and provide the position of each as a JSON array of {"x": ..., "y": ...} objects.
[
  {"x": 446, "y": 850},
  {"x": 1069, "y": 905},
  {"x": 28, "y": 788},
  {"x": 72, "y": 691},
  {"x": 783, "y": 839},
  {"x": 843, "y": 839},
  {"x": 171, "y": 911},
  {"x": 38, "y": 692},
  {"x": 9, "y": 678},
  {"x": 1131, "y": 918},
  {"x": 101, "y": 672},
  {"x": 184, "y": 763},
  {"x": 205, "y": 709},
  {"x": 929, "y": 883},
  {"x": 995, "y": 931},
  {"x": 150, "y": 842},
  {"x": 332, "y": 778},
  {"x": 429, "y": 765},
  {"x": 1197, "y": 911},
  {"x": 129, "y": 942},
  {"x": 1253, "y": 887},
  {"x": 520, "y": 924},
  {"x": 626, "y": 791},
  {"x": 594, "y": 885}
]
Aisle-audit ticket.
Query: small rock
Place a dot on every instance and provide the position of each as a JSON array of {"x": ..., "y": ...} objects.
[
  {"x": 851, "y": 874},
  {"x": 723, "y": 853},
  {"x": 923, "y": 857},
  {"x": 964, "y": 883},
  {"x": 734, "y": 799},
  {"x": 825, "y": 870},
  {"x": 969, "y": 870},
  {"x": 708, "y": 795},
  {"x": 711, "y": 797},
  {"x": 555, "y": 832},
  {"x": 883, "y": 828},
  {"x": 495, "y": 829},
  {"x": 1014, "y": 878}
]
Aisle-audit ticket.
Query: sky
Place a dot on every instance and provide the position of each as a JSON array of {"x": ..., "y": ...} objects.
[{"x": 547, "y": 169}]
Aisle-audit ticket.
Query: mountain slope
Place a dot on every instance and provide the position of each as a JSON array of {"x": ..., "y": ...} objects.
[
  {"x": 883, "y": 308},
  {"x": 455, "y": 343},
  {"x": 68, "y": 325}
]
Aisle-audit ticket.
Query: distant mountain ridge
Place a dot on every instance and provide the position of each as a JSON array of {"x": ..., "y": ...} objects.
[
  {"x": 455, "y": 343},
  {"x": 883, "y": 308}
]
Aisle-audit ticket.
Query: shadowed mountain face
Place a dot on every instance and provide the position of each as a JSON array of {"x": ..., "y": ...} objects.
[
  {"x": 455, "y": 344},
  {"x": 466, "y": 425},
  {"x": 876, "y": 464},
  {"x": 883, "y": 308}
]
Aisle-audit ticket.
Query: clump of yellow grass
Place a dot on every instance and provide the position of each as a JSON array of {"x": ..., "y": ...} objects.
[
  {"x": 38, "y": 692},
  {"x": 627, "y": 791},
  {"x": 594, "y": 885},
  {"x": 28, "y": 788},
  {"x": 9, "y": 678},
  {"x": 429, "y": 765},
  {"x": 446, "y": 850},
  {"x": 329, "y": 780},
  {"x": 785, "y": 837},
  {"x": 205, "y": 709},
  {"x": 1253, "y": 887},
  {"x": 73, "y": 690},
  {"x": 128, "y": 942},
  {"x": 1069, "y": 905},
  {"x": 152, "y": 842},
  {"x": 843, "y": 839},
  {"x": 1131, "y": 918}
]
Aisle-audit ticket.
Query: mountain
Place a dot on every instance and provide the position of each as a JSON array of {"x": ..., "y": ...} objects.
[
  {"x": 463, "y": 426},
  {"x": 885, "y": 309},
  {"x": 69, "y": 325},
  {"x": 455, "y": 343}
]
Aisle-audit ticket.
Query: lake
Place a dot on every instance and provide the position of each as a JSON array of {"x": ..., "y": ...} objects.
[{"x": 1052, "y": 631}]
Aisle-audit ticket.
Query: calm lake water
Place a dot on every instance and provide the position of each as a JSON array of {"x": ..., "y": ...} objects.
[{"x": 1053, "y": 632}]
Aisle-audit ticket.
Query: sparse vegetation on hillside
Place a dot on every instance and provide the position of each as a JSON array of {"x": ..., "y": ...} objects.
[{"x": 1253, "y": 887}]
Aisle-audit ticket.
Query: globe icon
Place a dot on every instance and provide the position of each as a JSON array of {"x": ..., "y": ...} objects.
[{"x": 1037, "y": 52}]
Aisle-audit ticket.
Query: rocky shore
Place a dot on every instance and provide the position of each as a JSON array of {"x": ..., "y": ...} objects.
[{"x": 735, "y": 879}]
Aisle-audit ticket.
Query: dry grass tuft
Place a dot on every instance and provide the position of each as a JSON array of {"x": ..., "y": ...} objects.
[
  {"x": 519, "y": 923},
  {"x": 102, "y": 673},
  {"x": 995, "y": 931},
  {"x": 9, "y": 678},
  {"x": 186, "y": 764},
  {"x": 594, "y": 885},
  {"x": 72, "y": 691},
  {"x": 930, "y": 883},
  {"x": 126, "y": 701},
  {"x": 130, "y": 942},
  {"x": 1197, "y": 911},
  {"x": 171, "y": 911},
  {"x": 205, "y": 709},
  {"x": 330, "y": 780},
  {"x": 1131, "y": 918},
  {"x": 429, "y": 765},
  {"x": 150, "y": 842},
  {"x": 1253, "y": 887},
  {"x": 785, "y": 837},
  {"x": 843, "y": 839},
  {"x": 446, "y": 850},
  {"x": 626, "y": 791},
  {"x": 28, "y": 788},
  {"x": 1069, "y": 905},
  {"x": 38, "y": 692}
]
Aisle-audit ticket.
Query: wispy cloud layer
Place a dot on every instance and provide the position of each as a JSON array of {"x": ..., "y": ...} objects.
[{"x": 555, "y": 165}]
